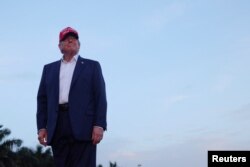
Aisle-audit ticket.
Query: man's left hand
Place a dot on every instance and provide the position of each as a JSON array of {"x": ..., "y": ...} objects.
[{"x": 97, "y": 134}]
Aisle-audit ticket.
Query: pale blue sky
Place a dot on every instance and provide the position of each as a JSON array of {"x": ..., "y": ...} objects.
[{"x": 177, "y": 73}]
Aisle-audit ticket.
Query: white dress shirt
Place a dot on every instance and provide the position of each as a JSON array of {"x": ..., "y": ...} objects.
[{"x": 66, "y": 74}]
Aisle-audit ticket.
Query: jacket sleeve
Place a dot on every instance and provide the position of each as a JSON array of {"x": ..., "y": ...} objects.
[
  {"x": 100, "y": 98},
  {"x": 41, "y": 115}
]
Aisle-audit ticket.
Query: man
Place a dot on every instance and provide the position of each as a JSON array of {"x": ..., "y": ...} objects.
[{"x": 71, "y": 105}]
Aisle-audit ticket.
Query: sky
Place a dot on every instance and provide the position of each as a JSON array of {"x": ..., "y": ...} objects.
[{"x": 176, "y": 73}]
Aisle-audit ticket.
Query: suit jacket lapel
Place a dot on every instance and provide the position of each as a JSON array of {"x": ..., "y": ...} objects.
[
  {"x": 57, "y": 77},
  {"x": 79, "y": 67}
]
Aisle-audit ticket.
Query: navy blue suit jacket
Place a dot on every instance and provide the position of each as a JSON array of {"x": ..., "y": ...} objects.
[{"x": 87, "y": 99}]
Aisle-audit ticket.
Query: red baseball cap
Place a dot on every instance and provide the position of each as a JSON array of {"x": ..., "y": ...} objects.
[{"x": 68, "y": 31}]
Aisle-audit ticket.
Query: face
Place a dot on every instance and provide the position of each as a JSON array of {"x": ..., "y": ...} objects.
[{"x": 70, "y": 45}]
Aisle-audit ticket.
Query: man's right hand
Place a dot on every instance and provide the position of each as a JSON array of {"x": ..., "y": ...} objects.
[{"x": 42, "y": 137}]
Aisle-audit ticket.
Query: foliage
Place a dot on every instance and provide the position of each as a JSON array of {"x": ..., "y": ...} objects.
[
  {"x": 112, "y": 164},
  {"x": 13, "y": 155}
]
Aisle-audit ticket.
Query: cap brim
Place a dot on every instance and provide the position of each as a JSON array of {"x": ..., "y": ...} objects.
[{"x": 69, "y": 34}]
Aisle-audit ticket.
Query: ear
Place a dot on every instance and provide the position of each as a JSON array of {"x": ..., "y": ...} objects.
[{"x": 60, "y": 45}]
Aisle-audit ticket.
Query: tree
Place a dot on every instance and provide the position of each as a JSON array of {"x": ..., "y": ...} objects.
[
  {"x": 34, "y": 158},
  {"x": 44, "y": 157},
  {"x": 7, "y": 147},
  {"x": 26, "y": 158},
  {"x": 112, "y": 164},
  {"x": 13, "y": 155}
]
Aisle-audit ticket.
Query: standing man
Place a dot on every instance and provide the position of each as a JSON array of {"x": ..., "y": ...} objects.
[{"x": 71, "y": 105}]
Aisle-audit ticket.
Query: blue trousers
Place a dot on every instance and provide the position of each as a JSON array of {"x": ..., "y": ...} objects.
[{"x": 67, "y": 151}]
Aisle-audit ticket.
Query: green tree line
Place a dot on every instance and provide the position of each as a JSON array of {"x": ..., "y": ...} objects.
[{"x": 13, "y": 154}]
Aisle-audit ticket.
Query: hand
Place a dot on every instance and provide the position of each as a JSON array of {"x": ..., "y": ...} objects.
[
  {"x": 97, "y": 134},
  {"x": 42, "y": 137}
]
